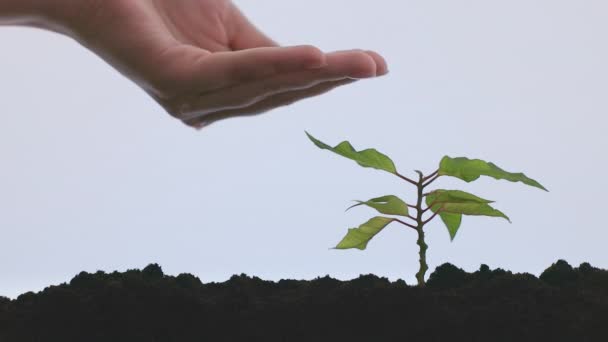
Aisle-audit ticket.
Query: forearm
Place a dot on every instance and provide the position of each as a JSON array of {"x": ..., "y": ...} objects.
[{"x": 55, "y": 15}]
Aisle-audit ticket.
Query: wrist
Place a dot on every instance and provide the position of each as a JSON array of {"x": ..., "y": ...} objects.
[{"x": 62, "y": 16}]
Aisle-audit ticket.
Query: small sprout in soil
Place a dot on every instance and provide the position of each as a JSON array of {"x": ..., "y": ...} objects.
[{"x": 449, "y": 205}]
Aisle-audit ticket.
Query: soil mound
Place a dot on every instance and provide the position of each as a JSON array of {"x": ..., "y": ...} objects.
[{"x": 564, "y": 304}]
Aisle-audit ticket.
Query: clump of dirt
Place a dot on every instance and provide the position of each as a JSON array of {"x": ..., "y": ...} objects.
[{"x": 564, "y": 304}]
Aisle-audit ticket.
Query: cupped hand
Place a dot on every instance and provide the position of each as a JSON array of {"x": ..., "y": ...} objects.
[{"x": 202, "y": 60}]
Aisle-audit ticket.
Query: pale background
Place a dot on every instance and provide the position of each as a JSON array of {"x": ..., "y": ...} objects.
[{"x": 94, "y": 176}]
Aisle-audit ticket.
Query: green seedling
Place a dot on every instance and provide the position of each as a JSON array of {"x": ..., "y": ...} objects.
[{"x": 449, "y": 205}]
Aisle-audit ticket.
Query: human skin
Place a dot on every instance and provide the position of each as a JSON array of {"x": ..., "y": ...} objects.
[{"x": 201, "y": 60}]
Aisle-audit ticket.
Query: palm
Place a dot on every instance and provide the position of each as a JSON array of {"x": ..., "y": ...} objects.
[
  {"x": 212, "y": 25},
  {"x": 202, "y": 60}
]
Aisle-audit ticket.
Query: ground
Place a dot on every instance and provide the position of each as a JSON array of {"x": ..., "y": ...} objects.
[{"x": 564, "y": 304}]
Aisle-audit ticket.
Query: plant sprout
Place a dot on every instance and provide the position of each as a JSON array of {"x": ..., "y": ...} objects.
[{"x": 449, "y": 205}]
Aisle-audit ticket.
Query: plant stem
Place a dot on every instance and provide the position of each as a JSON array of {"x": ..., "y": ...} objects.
[
  {"x": 430, "y": 181},
  {"x": 406, "y": 179},
  {"x": 406, "y": 224},
  {"x": 419, "y": 228},
  {"x": 432, "y": 216},
  {"x": 423, "y": 266},
  {"x": 430, "y": 176}
]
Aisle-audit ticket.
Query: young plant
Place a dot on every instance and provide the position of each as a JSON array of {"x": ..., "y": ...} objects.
[{"x": 449, "y": 205}]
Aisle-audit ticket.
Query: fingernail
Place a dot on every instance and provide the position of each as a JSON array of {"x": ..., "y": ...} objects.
[{"x": 383, "y": 73}]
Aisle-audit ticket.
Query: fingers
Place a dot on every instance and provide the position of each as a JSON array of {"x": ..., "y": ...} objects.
[
  {"x": 346, "y": 64},
  {"x": 272, "y": 102},
  {"x": 245, "y": 35},
  {"x": 381, "y": 65},
  {"x": 350, "y": 63},
  {"x": 222, "y": 69}
]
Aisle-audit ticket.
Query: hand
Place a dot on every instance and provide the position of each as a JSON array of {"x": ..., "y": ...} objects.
[{"x": 202, "y": 60}]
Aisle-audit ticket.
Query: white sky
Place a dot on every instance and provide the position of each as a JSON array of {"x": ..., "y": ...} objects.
[{"x": 95, "y": 176}]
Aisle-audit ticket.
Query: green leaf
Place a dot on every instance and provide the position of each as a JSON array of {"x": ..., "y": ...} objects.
[
  {"x": 455, "y": 196},
  {"x": 452, "y": 204},
  {"x": 389, "y": 205},
  {"x": 473, "y": 209},
  {"x": 452, "y": 223},
  {"x": 359, "y": 237},
  {"x": 366, "y": 158},
  {"x": 471, "y": 169}
]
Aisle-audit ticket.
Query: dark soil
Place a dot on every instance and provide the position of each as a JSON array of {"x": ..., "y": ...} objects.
[{"x": 565, "y": 304}]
